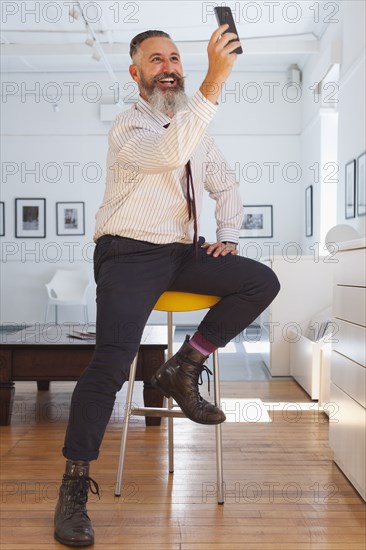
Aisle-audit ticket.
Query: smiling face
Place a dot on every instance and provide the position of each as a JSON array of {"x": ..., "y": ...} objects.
[{"x": 158, "y": 71}]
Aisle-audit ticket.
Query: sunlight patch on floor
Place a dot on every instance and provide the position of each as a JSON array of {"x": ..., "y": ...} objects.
[
  {"x": 294, "y": 406},
  {"x": 293, "y": 411},
  {"x": 244, "y": 410},
  {"x": 255, "y": 410}
]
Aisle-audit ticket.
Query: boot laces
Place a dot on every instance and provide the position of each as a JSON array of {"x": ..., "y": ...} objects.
[
  {"x": 200, "y": 381},
  {"x": 196, "y": 377},
  {"x": 193, "y": 374},
  {"x": 78, "y": 495}
]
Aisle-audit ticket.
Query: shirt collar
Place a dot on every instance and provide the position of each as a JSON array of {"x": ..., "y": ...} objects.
[{"x": 158, "y": 116}]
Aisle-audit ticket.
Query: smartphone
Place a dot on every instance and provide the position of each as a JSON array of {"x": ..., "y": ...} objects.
[{"x": 224, "y": 15}]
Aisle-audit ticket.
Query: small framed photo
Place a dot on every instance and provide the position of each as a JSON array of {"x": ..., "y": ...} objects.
[
  {"x": 70, "y": 218},
  {"x": 361, "y": 185},
  {"x": 257, "y": 222},
  {"x": 30, "y": 218},
  {"x": 2, "y": 219},
  {"x": 309, "y": 211},
  {"x": 350, "y": 199}
]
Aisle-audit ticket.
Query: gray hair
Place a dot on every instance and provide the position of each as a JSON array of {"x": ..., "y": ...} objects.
[{"x": 139, "y": 38}]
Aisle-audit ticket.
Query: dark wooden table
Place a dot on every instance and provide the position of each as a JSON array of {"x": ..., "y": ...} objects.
[{"x": 46, "y": 353}]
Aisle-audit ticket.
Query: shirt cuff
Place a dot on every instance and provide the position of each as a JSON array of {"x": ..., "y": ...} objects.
[
  {"x": 202, "y": 107},
  {"x": 227, "y": 234}
]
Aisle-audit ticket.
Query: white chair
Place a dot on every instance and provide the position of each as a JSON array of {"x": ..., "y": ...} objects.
[{"x": 68, "y": 288}]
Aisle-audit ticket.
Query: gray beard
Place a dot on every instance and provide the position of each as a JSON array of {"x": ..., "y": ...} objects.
[{"x": 168, "y": 102}]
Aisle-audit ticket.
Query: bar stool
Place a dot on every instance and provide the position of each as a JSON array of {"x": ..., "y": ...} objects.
[{"x": 173, "y": 302}]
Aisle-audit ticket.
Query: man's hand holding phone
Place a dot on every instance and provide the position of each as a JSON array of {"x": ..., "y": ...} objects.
[{"x": 221, "y": 59}]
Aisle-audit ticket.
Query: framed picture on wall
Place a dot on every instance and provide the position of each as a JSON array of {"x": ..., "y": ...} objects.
[
  {"x": 361, "y": 185},
  {"x": 350, "y": 184},
  {"x": 309, "y": 211},
  {"x": 257, "y": 222},
  {"x": 70, "y": 218},
  {"x": 2, "y": 219},
  {"x": 30, "y": 218}
]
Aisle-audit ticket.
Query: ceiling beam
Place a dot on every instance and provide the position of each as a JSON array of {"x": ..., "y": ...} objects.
[{"x": 261, "y": 46}]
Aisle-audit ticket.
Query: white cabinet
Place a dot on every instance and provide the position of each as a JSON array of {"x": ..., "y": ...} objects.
[
  {"x": 308, "y": 365},
  {"x": 306, "y": 288},
  {"x": 347, "y": 427}
]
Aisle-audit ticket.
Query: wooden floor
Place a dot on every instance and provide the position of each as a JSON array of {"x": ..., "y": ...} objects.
[{"x": 283, "y": 492}]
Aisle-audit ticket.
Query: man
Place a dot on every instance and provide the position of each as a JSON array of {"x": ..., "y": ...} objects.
[{"x": 146, "y": 243}]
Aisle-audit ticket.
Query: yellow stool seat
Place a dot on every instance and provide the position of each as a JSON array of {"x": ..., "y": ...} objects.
[{"x": 185, "y": 301}]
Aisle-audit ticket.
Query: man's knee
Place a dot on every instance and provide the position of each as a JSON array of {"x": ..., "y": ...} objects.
[
  {"x": 270, "y": 282},
  {"x": 110, "y": 366}
]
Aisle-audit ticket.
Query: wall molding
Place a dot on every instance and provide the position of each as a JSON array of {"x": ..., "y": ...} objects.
[{"x": 351, "y": 70}]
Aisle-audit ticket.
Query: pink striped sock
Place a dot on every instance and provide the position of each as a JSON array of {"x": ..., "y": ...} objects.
[{"x": 201, "y": 344}]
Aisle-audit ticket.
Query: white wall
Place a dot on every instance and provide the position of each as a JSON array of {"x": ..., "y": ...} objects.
[
  {"x": 252, "y": 128},
  {"x": 352, "y": 93},
  {"x": 350, "y": 105},
  {"x": 259, "y": 135}
]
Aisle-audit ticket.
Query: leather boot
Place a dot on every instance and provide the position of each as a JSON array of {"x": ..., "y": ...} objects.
[
  {"x": 180, "y": 377},
  {"x": 72, "y": 523}
]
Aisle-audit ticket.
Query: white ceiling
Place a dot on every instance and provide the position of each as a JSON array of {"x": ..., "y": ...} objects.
[{"x": 50, "y": 40}]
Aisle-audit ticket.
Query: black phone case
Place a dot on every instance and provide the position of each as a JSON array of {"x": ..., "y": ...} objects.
[{"x": 224, "y": 15}]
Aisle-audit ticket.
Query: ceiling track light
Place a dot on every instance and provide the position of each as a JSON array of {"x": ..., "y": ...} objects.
[
  {"x": 294, "y": 75},
  {"x": 90, "y": 41},
  {"x": 74, "y": 13},
  {"x": 96, "y": 53}
]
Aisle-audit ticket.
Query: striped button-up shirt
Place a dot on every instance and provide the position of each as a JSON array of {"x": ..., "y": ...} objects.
[{"x": 145, "y": 195}]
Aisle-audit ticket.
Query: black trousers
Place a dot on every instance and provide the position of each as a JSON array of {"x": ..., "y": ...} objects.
[{"x": 130, "y": 277}]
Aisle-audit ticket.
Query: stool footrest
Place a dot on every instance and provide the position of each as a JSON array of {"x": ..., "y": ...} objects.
[{"x": 158, "y": 411}]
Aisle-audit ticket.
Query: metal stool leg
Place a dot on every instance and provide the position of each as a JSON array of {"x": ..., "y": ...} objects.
[
  {"x": 86, "y": 317},
  {"x": 47, "y": 312},
  {"x": 170, "y": 413},
  {"x": 126, "y": 421},
  {"x": 170, "y": 400},
  {"x": 220, "y": 477}
]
